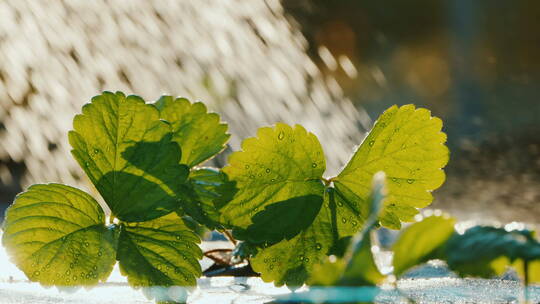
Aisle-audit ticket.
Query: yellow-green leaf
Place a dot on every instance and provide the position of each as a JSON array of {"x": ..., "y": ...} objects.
[
  {"x": 129, "y": 155},
  {"x": 56, "y": 235},
  {"x": 280, "y": 164},
  {"x": 408, "y": 145},
  {"x": 420, "y": 242},
  {"x": 200, "y": 134},
  {"x": 291, "y": 262},
  {"x": 159, "y": 253}
]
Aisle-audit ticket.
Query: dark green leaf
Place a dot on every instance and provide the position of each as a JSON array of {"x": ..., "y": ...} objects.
[
  {"x": 212, "y": 189},
  {"x": 488, "y": 251}
]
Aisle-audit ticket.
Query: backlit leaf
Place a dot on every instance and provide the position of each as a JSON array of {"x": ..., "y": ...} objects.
[
  {"x": 357, "y": 267},
  {"x": 420, "y": 242},
  {"x": 56, "y": 235},
  {"x": 280, "y": 164},
  {"x": 159, "y": 253},
  {"x": 408, "y": 145},
  {"x": 127, "y": 153},
  {"x": 279, "y": 181},
  {"x": 291, "y": 262},
  {"x": 200, "y": 134}
]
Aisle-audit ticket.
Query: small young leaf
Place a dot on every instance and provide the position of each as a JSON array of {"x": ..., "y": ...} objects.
[
  {"x": 127, "y": 153},
  {"x": 280, "y": 164},
  {"x": 420, "y": 242},
  {"x": 200, "y": 134},
  {"x": 406, "y": 144},
  {"x": 162, "y": 252},
  {"x": 56, "y": 235}
]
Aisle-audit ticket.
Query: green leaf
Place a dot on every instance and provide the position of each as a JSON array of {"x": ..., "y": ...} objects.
[
  {"x": 420, "y": 242},
  {"x": 280, "y": 164},
  {"x": 295, "y": 214},
  {"x": 279, "y": 180},
  {"x": 406, "y": 144},
  {"x": 200, "y": 134},
  {"x": 212, "y": 190},
  {"x": 357, "y": 267},
  {"x": 127, "y": 153},
  {"x": 159, "y": 253},
  {"x": 56, "y": 235},
  {"x": 280, "y": 169},
  {"x": 488, "y": 251},
  {"x": 290, "y": 262}
]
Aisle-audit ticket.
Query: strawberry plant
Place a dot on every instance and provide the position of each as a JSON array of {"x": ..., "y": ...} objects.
[{"x": 144, "y": 161}]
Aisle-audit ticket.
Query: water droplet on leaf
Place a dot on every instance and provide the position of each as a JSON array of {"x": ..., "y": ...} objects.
[{"x": 281, "y": 135}]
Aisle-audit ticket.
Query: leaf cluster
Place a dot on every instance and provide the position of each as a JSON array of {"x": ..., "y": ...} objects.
[{"x": 144, "y": 161}]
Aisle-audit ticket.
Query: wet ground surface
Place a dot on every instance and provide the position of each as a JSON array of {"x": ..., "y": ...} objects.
[{"x": 431, "y": 283}]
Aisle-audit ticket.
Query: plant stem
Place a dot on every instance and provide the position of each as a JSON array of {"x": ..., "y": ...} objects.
[
  {"x": 229, "y": 237},
  {"x": 217, "y": 259},
  {"x": 217, "y": 250}
]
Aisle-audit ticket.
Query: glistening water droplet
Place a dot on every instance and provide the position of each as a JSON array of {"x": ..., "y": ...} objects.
[{"x": 281, "y": 135}]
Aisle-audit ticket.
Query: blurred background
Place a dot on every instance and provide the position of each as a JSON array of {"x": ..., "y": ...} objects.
[{"x": 332, "y": 66}]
